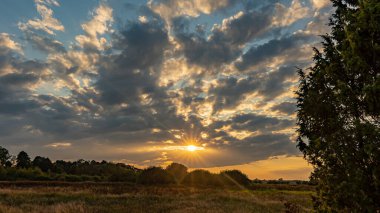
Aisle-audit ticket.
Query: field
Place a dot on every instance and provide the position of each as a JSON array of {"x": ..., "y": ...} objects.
[{"x": 120, "y": 197}]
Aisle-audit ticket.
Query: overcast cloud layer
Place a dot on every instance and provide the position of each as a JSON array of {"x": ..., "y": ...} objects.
[{"x": 137, "y": 81}]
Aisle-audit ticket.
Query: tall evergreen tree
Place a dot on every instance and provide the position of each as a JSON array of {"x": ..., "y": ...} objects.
[{"x": 339, "y": 110}]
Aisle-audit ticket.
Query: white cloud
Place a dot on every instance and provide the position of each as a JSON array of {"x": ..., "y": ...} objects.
[
  {"x": 7, "y": 42},
  {"x": 47, "y": 2},
  {"x": 173, "y": 8},
  {"x": 287, "y": 16},
  {"x": 319, "y": 24},
  {"x": 58, "y": 145},
  {"x": 47, "y": 23},
  {"x": 98, "y": 25},
  {"x": 319, "y": 4}
]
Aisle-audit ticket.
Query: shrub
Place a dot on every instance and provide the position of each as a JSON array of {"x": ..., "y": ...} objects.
[
  {"x": 178, "y": 171},
  {"x": 124, "y": 175},
  {"x": 155, "y": 175},
  {"x": 235, "y": 177},
  {"x": 202, "y": 177}
]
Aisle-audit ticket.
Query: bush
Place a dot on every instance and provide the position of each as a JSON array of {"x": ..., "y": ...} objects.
[
  {"x": 155, "y": 175},
  {"x": 235, "y": 177},
  {"x": 123, "y": 176},
  {"x": 23, "y": 174},
  {"x": 178, "y": 171},
  {"x": 202, "y": 177}
]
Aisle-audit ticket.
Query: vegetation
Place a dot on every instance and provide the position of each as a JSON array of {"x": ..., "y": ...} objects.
[
  {"x": 43, "y": 169},
  {"x": 33, "y": 197},
  {"x": 339, "y": 109}
]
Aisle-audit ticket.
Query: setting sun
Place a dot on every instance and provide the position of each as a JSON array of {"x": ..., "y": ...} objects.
[{"x": 192, "y": 148}]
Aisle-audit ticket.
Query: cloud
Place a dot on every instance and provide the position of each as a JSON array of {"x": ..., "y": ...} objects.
[
  {"x": 285, "y": 107},
  {"x": 288, "y": 15},
  {"x": 319, "y": 24},
  {"x": 47, "y": 2},
  {"x": 253, "y": 122},
  {"x": 6, "y": 42},
  {"x": 97, "y": 26},
  {"x": 58, "y": 145},
  {"x": 134, "y": 72},
  {"x": 319, "y": 4},
  {"x": 276, "y": 47},
  {"x": 169, "y": 9},
  {"x": 47, "y": 23},
  {"x": 44, "y": 44},
  {"x": 228, "y": 93},
  {"x": 226, "y": 40}
]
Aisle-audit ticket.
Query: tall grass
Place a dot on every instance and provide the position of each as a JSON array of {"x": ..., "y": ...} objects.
[{"x": 96, "y": 197}]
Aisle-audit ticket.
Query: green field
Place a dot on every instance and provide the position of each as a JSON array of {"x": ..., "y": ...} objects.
[{"x": 120, "y": 197}]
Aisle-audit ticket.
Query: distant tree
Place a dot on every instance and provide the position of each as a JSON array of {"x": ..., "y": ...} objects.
[
  {"x": 339, "y": 111},
  {"x": 123, "y": 175},
  {"x": 155, "y": 175},
  {"x": 235, "y": 177},
  {"x": 178, "y": 171},
  {"x": 200, "y": 177},
  {"x": 23, "y": 160},
  {"x": 43, "y": 163},
  {"x": 4, "y": 157}
]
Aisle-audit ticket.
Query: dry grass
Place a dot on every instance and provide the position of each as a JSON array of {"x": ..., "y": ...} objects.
[{"x": 106, "y": 197}]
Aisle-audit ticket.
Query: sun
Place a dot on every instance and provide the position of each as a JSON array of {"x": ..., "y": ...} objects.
[{"x": 191, "y": 148}]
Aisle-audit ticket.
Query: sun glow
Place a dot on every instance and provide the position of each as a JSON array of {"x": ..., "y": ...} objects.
[{"x": 192, "y": 148}]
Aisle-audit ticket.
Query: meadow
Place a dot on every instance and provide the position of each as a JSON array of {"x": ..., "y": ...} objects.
[{"x": 78, "y": 197}]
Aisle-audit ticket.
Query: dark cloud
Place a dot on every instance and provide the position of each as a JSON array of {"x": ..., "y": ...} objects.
[
  {"x": 275, "y": 83},
  {"x": 273, "y": 48},
  {"x": 225, "y": 42},
  {"x": 254, "y": 122},
  {"x": 250, "y": 149},
  {"x": 285, "y": 107},
  {"x": 15, "y": 96},
  {"x": 229, "y": 92},
  {"x": 135, "y": 71}
]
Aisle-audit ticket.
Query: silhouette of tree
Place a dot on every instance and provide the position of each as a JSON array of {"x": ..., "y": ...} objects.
[
  {"x": 339, "y": 109},
  {"x": 155, "y": 175},
  {"x": 4, "y": 156},
  {"x": 23, "y": 160},
  {"x": 43, "y": 163},
  {"x": 178, "y": 171},
  {"x": 200, "y": 177},
  {"x": 235, "y": 177}
]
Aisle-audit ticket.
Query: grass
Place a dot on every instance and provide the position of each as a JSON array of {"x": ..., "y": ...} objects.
[{"x": 63, "y": 197}]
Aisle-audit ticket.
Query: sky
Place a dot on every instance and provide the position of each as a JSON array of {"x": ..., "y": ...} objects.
[{"x": 139, "y": 81}]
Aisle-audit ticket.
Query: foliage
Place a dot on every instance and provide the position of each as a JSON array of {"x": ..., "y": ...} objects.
[
  {"x": 43, "y": 163},
  {"x": 178, "y": 171},
  {"x": 124, "y": 175},
  {"x": 235, "y": 177},
  {"x": 339, "y": 109},
  {"x": 42, "y": 168},
  {"x": 23, "y": 160},
  {"x": 202, "y": 177},
  {"x": 23, "y": 174},
  {"x": 4, "y": 156},
  {"x": 155, "y": 175}
]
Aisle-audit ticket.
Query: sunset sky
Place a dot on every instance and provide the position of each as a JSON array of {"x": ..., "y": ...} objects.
[{"x": 139, "y": 81}]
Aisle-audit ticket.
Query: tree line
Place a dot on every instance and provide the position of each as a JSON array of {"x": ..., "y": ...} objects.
[{"x": 22, "y": 167}]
